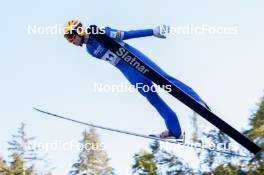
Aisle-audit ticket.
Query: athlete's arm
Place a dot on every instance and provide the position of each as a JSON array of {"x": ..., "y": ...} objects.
[{"x": 124, "y": 35}]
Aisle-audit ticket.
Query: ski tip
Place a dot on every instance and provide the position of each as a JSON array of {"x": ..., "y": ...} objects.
[
  {"x": 36, "y": 109},
  {"x": 44, "y": 112},
  {"x": 39, "y": 110}
]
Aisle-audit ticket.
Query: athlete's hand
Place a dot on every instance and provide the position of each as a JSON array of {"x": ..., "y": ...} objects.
[{"x": 161, "y": 31}]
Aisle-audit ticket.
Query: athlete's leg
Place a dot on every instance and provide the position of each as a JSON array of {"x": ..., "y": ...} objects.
[
  {"x": 152, "y": 96},
  {"x": 186, "y": 89},
  {"x": 169, "y": 116},
  {"x": 173, "y": 80}
]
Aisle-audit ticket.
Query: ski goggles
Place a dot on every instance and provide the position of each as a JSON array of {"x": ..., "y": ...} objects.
[{"x": 70, "y": 37}]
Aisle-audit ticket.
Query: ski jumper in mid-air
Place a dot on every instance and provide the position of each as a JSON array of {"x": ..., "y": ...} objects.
[{"x": 75, "y": 33}]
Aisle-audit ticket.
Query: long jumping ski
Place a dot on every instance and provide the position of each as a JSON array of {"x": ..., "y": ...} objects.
[
  {"x": 176, "y": 92},
  {"x": 175, "y": 141}
]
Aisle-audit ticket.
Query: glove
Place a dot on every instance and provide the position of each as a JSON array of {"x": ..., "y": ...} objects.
[{"x": 161, "y": 31}]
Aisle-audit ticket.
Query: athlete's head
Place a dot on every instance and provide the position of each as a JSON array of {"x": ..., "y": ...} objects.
[{"x": 75, "y": 33}]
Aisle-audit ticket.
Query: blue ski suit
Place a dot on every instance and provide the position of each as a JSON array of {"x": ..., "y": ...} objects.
[{"x": 97, "y": 50}]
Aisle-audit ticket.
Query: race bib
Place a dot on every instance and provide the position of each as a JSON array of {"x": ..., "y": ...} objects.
[{"x": 111, "y": 57}]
